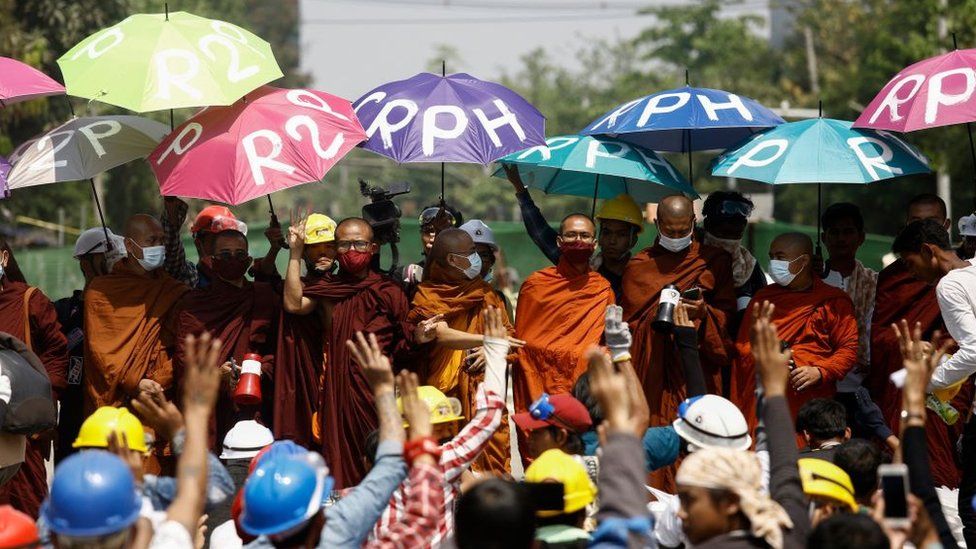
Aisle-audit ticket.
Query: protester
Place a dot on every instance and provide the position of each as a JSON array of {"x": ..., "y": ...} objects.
[
  {"x": 28, "y": 315},
  {"x": 433, "y": 219},
  {"x": 130, "y": 320},
  {"x": 725, "y": 215},
  {"x": 827, "y": 487},
  {"x": 967, "y": 230},
  {"x": 560, "y": 314},
  {"x": 860, "y": 459},
  {"x": 455, "y": 297},
  {"x": 823, "y": 424},
  {"x": 298, "y": 370},
  {"x": 564, "y": 527},
  {"x": 814, "y": 320},
  {"x": 96, "y": 256},
  {"x": 357, "y": 298},
  {"x": 554, "y": 421},
  {"x": 244, "y": 316},
  {"x": 495, "y": 514}
]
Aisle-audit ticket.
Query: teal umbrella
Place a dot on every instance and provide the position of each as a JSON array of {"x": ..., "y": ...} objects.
[
  {"x": 597, "y": 167},
  {"x": 820, "y": 150}
]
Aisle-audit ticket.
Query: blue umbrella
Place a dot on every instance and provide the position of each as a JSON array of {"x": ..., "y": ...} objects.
[{"x": 684, "y": 120}]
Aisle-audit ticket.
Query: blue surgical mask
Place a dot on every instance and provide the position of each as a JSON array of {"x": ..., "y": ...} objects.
[
  {"x": 474, "y": 266},
  {"x": 779, "y": 271},
  {"x": 152, "y": 257}
]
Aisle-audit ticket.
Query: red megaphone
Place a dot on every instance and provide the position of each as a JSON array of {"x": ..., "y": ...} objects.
[{"x": 248, "y": 390}]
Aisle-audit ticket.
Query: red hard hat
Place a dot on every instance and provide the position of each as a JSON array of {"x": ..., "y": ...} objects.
[
  {"x": 16, "y": 529},
  {"x": 206, "y": 216}
]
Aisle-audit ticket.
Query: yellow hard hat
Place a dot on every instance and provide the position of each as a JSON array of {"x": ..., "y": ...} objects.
[
  {"x": 106, "y": 420},
  {"x": 443, "y": 409},
  {"x": 557, "y": 466},
  {"x": 319, "y": 228},
  {"x": 622, "y": 208},
  {"x": 825, "y": 481}
]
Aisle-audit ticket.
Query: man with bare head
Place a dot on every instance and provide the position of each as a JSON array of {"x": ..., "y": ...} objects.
[
  {"x": 356, "y": 299},
  {"x": 560, "y": 314},
  {"x": 814, "y": 319},
  {"x": 130, "y": 321},
  {"x": 704, "y": 276}
]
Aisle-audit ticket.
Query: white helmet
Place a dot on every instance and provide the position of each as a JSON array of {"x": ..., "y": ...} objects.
[
  {"x": 245, "y": 440},
  {"x": 710, "y": 421}
]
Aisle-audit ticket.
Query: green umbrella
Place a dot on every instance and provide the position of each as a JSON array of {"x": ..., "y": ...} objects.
[
  {"x": 597, "y": 167},
  {"x": 152, "y": 62}
]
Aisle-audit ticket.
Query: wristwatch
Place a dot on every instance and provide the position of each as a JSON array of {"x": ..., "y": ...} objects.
[{"x": 906, "y": 415}]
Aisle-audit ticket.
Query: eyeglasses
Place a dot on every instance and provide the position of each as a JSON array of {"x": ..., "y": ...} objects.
[
  {"x": 358, "y": 245},
  {"x": 578, "y": 236},
  {"x": 239, "y": 254}
]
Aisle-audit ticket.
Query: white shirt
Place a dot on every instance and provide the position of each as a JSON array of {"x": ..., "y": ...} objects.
[
  {"x": 225, "y": 537},
  {"x": 956, "y": 294},
  {"x": 171, "y": 535}
]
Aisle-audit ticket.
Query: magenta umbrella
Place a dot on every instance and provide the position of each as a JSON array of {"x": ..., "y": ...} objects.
[
  {"x": 269, "y": 140},
  {"x": 938, "y": 91},
  {"x": 21, "y": 82}
]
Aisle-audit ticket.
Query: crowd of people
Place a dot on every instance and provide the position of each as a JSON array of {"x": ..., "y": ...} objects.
[{"x": 672, "y": 396}]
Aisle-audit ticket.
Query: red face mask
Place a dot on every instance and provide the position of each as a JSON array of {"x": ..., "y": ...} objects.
[
  {"x": 231, "y": 268},
  {"x": 354, "y": 262},
  {"x": 577, "y": 251}
]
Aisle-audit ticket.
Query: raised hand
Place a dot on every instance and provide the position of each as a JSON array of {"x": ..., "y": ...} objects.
[
  {"x": 376, "y": 367},
  {"x": 495, "y": 323},
  {"x": 118, "y": 444},
  {"x": 202, "y": 381},
  {"x": 158, "y": 413},
  {"x": 772, "y": 361},
  {"x": 617, "y": 333},
  {"x": 610, "y": 389},
  {"x": 920, "y": 361},
  {"x": 415, "y": 411},
  {"x": 296, "y": 232},
  {"x": 514, "y": 177}
]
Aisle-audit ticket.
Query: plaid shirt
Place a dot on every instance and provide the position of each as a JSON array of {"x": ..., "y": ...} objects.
[
  {"x": 456, "y": 457},
  {"x": 424, "y": 514},
  {"x": 176, "y": 264}
]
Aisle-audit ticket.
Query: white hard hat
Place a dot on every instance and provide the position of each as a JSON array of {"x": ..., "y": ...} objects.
[
  {"x": 967, "y": 225},
  {"x": 245, "y": 440},
  {"x": 480, "y": 233},
  {"x": 92, "y": 241},
  {"x": 710, "y": 421}
]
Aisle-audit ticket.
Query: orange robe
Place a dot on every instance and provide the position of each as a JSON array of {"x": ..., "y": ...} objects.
[
  {"x": 462, "y": 306},
  {"x": 656, "y": 359},
  {"x": 901, "y": 296},
  {"x": 129, "y": 324},
  {"x": 819, "y": 326},
  {"x": 560, "y": 314}
]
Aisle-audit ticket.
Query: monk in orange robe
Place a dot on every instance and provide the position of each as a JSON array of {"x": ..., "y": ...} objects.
[
  {"x": 130, "y": 321},
  {"x": 814, "y": 319},
  {"x": 704, "y": 273},
  {"x": 560, "y": 314},
  {"x": 454, "y": 293},
  {"x": 27, "y": 314},
  {"x": 901, "y": 296}
]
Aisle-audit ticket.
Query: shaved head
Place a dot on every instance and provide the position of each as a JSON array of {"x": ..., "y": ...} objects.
[
  {"x": 348, "y": 226},
  {"x": 675, "y": 207},
  {"x": 577, "y": 220},
  {"x": 794, "y": 244},
  {"x": 144, "y": 230}
]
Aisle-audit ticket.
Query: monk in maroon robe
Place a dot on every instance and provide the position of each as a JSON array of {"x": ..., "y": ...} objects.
[
  {"x": 901, "y": 296},
  {"x": 357, "y": 299},
  {"x": 242, "y": 314},
  {"x": 27, "y": 314}
]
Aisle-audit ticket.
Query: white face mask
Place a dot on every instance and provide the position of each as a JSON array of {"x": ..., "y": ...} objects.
[
  {"x": 474, "y": 266},
  {"x": 152, "y": 257},
  {"x": 779, "y": 271},
  {"x": 674, "y": 244}
]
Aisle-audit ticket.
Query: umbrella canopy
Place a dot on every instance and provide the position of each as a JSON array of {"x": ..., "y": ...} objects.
[
  {"x": 83, "y": 148},
  {"x": 593, "y": 167},
  {"x": 454, "y": 118},
  {"x": 151, "y": 62},
  {"x": 821, "y": 150},
  {"x": 270, "y": 140},
  {"x": 20, "y": 82},
  {"x": 685, "y": 119},
  {"x": 933, "y": 92}
]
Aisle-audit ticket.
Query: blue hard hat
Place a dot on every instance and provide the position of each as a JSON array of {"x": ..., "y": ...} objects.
[
  {"x": 283, "y": 492},
  {"x": 93, "y": 494},
  {"x": 282, "y": 448}
]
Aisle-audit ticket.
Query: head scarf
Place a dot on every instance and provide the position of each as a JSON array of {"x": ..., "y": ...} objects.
[{"x": 739, "y": 473}]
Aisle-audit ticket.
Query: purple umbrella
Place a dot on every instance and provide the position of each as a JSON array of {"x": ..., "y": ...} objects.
[
  {"x": 4, "y": 170},
  {"x": 455, "y": 118}
]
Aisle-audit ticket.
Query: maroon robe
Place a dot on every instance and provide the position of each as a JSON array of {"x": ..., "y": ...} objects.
[
  {"x": 901, "y": 296},
  {"x": 374, "y": 305},
  {"x": 28, "y": 488},
  {"x": 246, "y": 321}
]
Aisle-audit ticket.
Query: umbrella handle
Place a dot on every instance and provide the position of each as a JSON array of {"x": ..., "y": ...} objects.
[{"x": 276, "y": 224}]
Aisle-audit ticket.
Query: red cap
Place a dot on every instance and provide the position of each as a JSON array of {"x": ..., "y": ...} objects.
[
  {"x": 16, "y": 528},
  {"x": 204, "y": 219},
  {"x": 568, "y": 413}
]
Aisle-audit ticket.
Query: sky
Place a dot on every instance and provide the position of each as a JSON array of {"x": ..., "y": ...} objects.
[{"x": 351, "y": 46}]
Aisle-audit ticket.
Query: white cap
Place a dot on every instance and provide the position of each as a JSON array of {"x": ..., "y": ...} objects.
[
  {"x": 967, "y": 225},
  {"x": 480, "y": 233},
  {"x": 245, "y": 440},
  {"x": 710, "y": 421},
  {"x": 92, "y": 241}
]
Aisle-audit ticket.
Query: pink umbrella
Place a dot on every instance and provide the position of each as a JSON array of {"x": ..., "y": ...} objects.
[
  {"x": 938, "y": 91},
  {"x": 20, "y": 82},
  {"x": 270, "y": 140}
]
